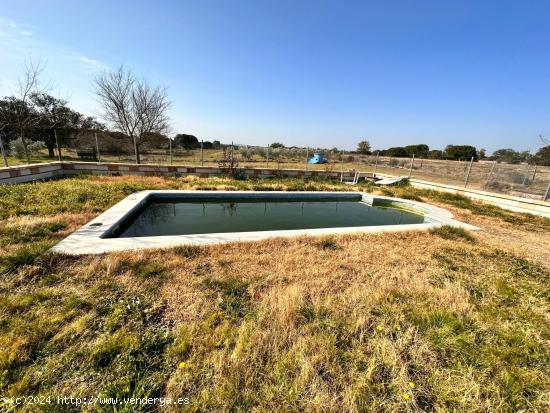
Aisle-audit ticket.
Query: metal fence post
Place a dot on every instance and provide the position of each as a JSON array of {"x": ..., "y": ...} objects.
[
  {"x": 411, "y": 167},
  {"x": 342, "y": 166},
  {"x": 490, "y": 174},
  {"x": 468, "y": 172},
  {"x": 57, "y": 144},
  {"x": 267, "y": 157},
  {"x": 97, "y": 147},
  {"x": 170, "y": 148},
  {"x": 546, "y": 193},
  {"x": 202, "y": 152},
  {"x": 4, "y": 155},
  {"x": 307, "y": 156},
  {"x": 534, "y": 173},
  {"x": 375, "y": 164}
]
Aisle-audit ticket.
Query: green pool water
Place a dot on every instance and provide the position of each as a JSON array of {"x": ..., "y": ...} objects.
[{"x": 195, "y": 216}]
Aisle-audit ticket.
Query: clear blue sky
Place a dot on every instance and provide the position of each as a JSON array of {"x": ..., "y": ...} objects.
[{"x": 318, "y": 73}]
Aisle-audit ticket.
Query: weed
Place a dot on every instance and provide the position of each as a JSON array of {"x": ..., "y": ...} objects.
[
  {"x": 453, "y": 233},
  {"x": 235, "y": 300},
  {"x": 25, "y": 255},
  {"x": 188, "y": 251},
  {"x": 328, "y": 244}
]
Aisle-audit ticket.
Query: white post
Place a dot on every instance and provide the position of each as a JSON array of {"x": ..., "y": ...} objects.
[
  {"x": 4, "y": 155},
  {"x": 411, "y": 167},
  {"x": 202, "y": 152},
  {"x": 375, "y": 164},
  {"x": 97, "y": 147},
  {"x": 468, "y": 172}
]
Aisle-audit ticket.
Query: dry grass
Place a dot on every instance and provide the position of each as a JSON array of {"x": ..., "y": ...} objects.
[{"x": 384, "y": 322}]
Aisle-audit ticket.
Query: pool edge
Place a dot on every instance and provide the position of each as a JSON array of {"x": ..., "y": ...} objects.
[{"x": 92, "y": 237}]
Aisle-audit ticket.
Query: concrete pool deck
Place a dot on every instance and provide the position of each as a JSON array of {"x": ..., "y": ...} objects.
[{"x": 92, "y": 238}]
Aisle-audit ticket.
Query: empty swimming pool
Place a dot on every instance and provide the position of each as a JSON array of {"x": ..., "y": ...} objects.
[{"x": 160, "y": 219}]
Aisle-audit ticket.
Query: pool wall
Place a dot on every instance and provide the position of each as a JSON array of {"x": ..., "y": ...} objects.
[{"x": 93, "y": 237}]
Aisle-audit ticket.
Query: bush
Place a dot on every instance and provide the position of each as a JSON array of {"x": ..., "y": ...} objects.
[{"x": 17, "y": 148}]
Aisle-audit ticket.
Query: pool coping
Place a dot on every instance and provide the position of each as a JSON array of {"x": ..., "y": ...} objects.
[{"x": 90, "y": 239}]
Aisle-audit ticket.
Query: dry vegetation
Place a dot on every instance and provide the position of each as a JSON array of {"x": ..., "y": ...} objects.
[
  {"x": 512, "y": 179},
  {"x": 446, "y": 320}
]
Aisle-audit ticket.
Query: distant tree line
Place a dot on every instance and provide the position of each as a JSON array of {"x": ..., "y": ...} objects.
[{"x": 460, "y": 153}]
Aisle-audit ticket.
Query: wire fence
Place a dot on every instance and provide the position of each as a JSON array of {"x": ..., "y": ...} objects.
[{"x": 524, "y": 180}]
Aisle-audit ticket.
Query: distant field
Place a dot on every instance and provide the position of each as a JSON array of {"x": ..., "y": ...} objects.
[{"x": 521, "y": 180}]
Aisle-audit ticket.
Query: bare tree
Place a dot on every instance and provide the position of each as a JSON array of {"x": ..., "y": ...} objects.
[
  {"x": 132, "y": 106},
  {"x": 24, "y": 114}
]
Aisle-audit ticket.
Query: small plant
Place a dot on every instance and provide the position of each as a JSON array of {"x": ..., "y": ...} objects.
[
  {"x": 328, "y": 244},
  {"x": 25, "y": 255},
  {"x": 188, "y": 251},
  {"x": 228, "y": 164},
  {"x": 149, "y": 269},
  {"x": 453, "y": 233},
  {"x": 233, "y": 292}
]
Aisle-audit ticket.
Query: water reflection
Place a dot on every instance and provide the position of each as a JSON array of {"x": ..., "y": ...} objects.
[{"x": 173, "y": 218}]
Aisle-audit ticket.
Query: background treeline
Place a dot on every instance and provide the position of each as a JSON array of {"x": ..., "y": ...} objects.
[{"x": 463, "y": 153}]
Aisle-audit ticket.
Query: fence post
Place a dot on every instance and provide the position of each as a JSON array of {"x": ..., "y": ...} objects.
[
  {"x": 267, "y": 157},
  {"x": 307, "y": 156},
  {"x": 4, "y": 155},
  {"x": 170, "y": 147},
  {"x": 202, "y": 152},
  {"x": 97, "y": 147},
  {"x": 342, "y": 166},
  {"x": 375, "y": 165},
  {"x": 490, "y": 174},
  {"x": 468, "y": 172},
  {"x": 411, "y": 167},
  {"x": 546, "y": 193},
  {"x": 57, "y": 144}
]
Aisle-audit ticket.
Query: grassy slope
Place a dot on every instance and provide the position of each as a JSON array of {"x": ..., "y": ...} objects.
[{"x": 412, "y": 321}]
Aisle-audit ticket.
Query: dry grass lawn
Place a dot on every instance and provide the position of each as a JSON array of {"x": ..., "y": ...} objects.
[{"x": 447, "y": 320}]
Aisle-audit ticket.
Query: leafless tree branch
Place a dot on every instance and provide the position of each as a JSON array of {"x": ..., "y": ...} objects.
[{"x": 132, "y": 106}]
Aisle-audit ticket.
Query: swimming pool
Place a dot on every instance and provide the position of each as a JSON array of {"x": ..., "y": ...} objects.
[{"x": 156, "y": 219}]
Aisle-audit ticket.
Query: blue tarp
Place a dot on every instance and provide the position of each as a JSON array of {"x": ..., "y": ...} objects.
[{"x": 317, "y": 158}]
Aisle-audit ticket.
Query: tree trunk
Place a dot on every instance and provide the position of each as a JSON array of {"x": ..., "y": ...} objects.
[
  {"x": 24, "y": 141},
  {"x": 51, "y": 149}
]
